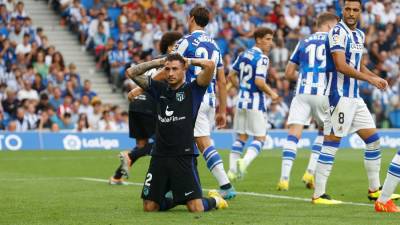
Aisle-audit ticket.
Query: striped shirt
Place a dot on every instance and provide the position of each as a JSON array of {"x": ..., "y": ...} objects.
[
  {"x": 251, "y": 65},
  {"x": 351, "y": 42},
  {"x": 200, "y": 45},
  {"x": 310, "y": 56}
]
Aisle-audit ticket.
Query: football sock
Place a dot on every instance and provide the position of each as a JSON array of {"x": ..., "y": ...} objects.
[
  {"x": 118, "y": 173},
  {"x": 372, "y": 161},
  {"x": 288, "y": 156},
  {"x": 209, "y": 204},
  {"x": 324, "y": 166},
  {"x": 215, "y": 165},
  {"x": 167, "y": 203},
  {"x": 137, "y": 153},
  {"x": 315, "y": 150},
  {"x": 392, "y": 179},
  {"x": 252, "y": 152},
  {"x": 236, "y": 153}
]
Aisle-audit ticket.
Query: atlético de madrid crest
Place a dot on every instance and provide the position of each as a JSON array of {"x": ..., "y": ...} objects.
[{"x": 180, "y": 96}]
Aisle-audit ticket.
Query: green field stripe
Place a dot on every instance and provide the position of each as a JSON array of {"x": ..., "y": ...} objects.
[{"x": 254, "y": 194}]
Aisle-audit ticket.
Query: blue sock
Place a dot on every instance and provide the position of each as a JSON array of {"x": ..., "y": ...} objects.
[
  {"x": 288, "y": 155},
  {"x": 212, "y": 157}
]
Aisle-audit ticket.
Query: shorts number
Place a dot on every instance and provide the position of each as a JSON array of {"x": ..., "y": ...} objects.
[
  {"x": 149, "y": 176},
  {"x": 341, "y": 117}
]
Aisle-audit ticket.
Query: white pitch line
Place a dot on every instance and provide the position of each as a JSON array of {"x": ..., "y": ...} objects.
[{"x": 238, "y": 192}]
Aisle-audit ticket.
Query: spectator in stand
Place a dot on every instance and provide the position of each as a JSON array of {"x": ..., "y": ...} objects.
[
  {"x": 40, "y": 66},
  {"x": 19, "y": 12},
  {"x": 3, "y": 121},
  {"x": 97, "y": 113},
  {"x": 292, "y": 19},
  {"x": 100, "y": 40},
  {"x": 44, "y": 122},
  {"x": 12, "y": 126},
  {"x": 94, "y": 25},
  {"x": 57, "y": 62},
  {"x": 377, "y": 7},
  {"x": 367, "y": 17},
  {"x": 43, "y": 104},
  {"x": 85, "y": 106},
  {"x": 31, "y": 116},
  {"x": 16, "y": 36},
  {"x": 38, "y": 83},
  {"x": 66, "y": 122},
  {"x": 27, "y": 92},
  {"x": 276, "y": 116},
  {"x": 10, "y": 104},
  {"x": 22, "y": 123},
  {"x": 106, "y": 123},
  {"x": 56, "y": 100},
  {"x": 66, "y": 107},
  {"x": 83, "y": 123},
  {"x": 25, "y": 47},
  {"x": 117, "y": 59},
  {"x": 87, "y": 89}
]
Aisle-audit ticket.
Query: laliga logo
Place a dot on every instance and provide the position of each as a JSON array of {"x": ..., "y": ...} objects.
[
  {"x": 356, "y": 141},
  {"x": 11, "y": 142},
  {"x": 72, "y": 142}
]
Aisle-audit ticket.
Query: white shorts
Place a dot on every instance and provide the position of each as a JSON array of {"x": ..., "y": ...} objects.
[
  {"x": 250, "y": 122},
  {"x": 304, "y": 107},
  {"x": 349, "y": 115},
  {"x": 205, "y": 120}
]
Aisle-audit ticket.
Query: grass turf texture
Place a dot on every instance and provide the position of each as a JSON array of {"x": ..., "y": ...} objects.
[{"x": 40, "y": 187}]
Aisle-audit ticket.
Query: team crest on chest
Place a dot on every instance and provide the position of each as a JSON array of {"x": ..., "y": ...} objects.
[{"x": 180, "y": 96}]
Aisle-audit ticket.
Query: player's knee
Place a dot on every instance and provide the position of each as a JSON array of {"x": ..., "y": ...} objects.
[
  {"x": 150, "y": 206},
  {"x": 332, "y": 137},
  {"x": 373, "y": 142},
  {"x": 203, "y": 142}
]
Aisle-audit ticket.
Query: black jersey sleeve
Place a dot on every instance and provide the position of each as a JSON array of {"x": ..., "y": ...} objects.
[{"x": 155, "y": 88}]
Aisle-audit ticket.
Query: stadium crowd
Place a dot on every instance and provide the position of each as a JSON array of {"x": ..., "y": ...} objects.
[{"x": 38, "y": 91}]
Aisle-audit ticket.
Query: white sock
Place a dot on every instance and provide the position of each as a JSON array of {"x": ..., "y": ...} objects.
[
  {"x": 236, "y": 153},
  {"x": 324, "y": 166},
  {"x": 315, "y": 150},
  {"x": 288, "y": 155},
  {"x": 252, "y": 152},
  {"x": 372, "y": 161},
  {"x": 219, "y": 173},
  {"x": 233, "y": 158},
  {"x": 392, "y": 179},
  {"x": 215, "y": 165}
]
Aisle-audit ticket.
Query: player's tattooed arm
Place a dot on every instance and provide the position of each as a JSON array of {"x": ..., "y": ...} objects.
[
  {"x": 136, "y": 72},
  {"x": 207, "y": 70}
]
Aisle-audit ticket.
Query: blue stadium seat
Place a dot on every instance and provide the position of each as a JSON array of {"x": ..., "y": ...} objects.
[
  {"x": 394, "y": 118},
  {"x": 113, "y": 13},
  {"x": 88, "y": 4}
]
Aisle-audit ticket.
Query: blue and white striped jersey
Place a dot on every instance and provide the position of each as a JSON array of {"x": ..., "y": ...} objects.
[
  {"x": 251, "y": 65},
  {"x": 351, "y": 42},
  {"x": 310, "y": 56},
  {"x": 200, "y": 45}
]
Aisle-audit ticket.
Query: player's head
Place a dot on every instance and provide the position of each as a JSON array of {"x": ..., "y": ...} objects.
[
  {"x": 263, "y": 37},
  {"x": 175, "y": 67},
  {"x": 168, "y": 41},
  {"x": 351, "y": 12},
  {"x": 198, "y": 18},
  {"x": 326, "y": 21}
]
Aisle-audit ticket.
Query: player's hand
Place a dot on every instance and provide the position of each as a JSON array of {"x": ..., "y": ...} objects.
[
  {"x": 274, "y": 97},
  {"x": 134, "y": 93},
  {"x": 379, "y": 83},
  {"x": 220, "y": 120}
]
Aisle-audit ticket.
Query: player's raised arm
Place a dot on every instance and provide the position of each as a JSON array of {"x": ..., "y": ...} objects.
[
  {"x": 136, "y": 72},
  {"x": 205, "y": 76}
]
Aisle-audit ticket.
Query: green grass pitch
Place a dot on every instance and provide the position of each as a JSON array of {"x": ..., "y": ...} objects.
[{"x": 38, "y": 187}]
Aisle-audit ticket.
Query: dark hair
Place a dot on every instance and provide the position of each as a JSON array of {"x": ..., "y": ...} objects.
[
  {"x": 353, "y": 1},
  {"x": 168, "y": 39},
  {"x": 326, "y": 17},
  {"x": 261, "y": 32},
  {"x": 201, "y": 15},
  {"x": 175, "y": 56}
]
